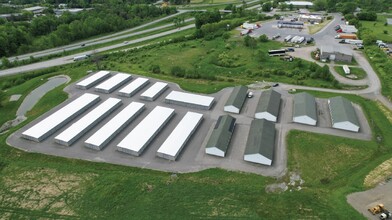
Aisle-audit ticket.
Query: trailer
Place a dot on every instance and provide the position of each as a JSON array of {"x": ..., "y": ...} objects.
[
  {"x": 288, "y": 38},
  {"x": 280, "y": 52},
  {"x": 346, "y": 36},
  {"x": 353, "y": 42}
]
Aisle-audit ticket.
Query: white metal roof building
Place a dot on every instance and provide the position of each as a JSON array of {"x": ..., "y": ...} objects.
[
  {"x": 49, "y": 125},
  {"x": 79, "y": 128},
  {"x": 133, "y": 87},
  {"x": 154, "y": 91},
  {"x": 93, "y": 79},
  {"x": 138, "y": 139},
  {"x": 300, "y": 3},
  {"x": 113, "y": 83},
  {"x": 304, "y": 109},
  {"x": 108, "y": 131},
  {"x": 190, "y": 100},
  {"x": 173, "y": 145},
  {"x": 343, "y": 114}
]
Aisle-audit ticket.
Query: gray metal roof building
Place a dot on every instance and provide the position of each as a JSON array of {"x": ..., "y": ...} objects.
[
  {"x": 336, "y": 53},
  {"x": 261, "y": 142},
  {"x": 268, "y": 106},
  {"x": 343, "y": 114},
  {"x": 236, "y": 99},
  {"x": 304, "y": 109},
  {"x": 220, "y": 137}
]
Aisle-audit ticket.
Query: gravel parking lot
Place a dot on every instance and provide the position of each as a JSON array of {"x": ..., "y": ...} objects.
[
  {"x": 192, "y": 158},
  {"x": 362, "y": 201}
]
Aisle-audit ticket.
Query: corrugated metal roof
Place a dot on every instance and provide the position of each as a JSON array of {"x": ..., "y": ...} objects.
[
  {"x": 221, "y": 135},
  {"x": 269, "y": 102},
  {"x": 342, "y": 110},
  {"x": 305, "y": 104},
  {"x": 237, "y": 97},
  {"x": 261, "y": 138},
  {"x": 332, "y": 49}
]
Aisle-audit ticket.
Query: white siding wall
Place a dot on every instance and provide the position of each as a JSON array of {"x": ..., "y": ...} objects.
[
  {"x": 266, "y": 116},
  {"x": 232, "y": 109},
  {"x": 346, "y": 126},
  {"x": 257, "y": 158},
  {"x": 215, "y": 151},
  {"x": 304, "y": 120}
]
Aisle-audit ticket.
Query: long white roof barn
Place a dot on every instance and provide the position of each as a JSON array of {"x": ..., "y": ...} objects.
[
  {"x": 59, "y": 118},
  {"x": 173, "y": 145},
  {"x": 107, "y": 132},
  {"x": 154, "y": 91},
  {"x": 190, "y": 100},
  {"x": 113, "y": 83},
  {"x": 138, "y": 139},
  {"x": 133, "y": 87},
  {"x": 93, "y": 79},
  {"x": 78, "y": 129}
]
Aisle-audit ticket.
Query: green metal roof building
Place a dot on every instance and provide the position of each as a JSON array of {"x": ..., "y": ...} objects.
[
  {"x": 236, "y": 99},
  {"x": 220, "y": 137},
  {"x": 304, "y": 109},
  {"x": 260, "y": 145},
  {"x": 268, "y": 106},
  {"x": 343, "y": 114}
]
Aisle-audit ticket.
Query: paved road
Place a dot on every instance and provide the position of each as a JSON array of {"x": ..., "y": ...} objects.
[
  {"x": 104, "y": 39},
  {"x": 69, "y": 58}
]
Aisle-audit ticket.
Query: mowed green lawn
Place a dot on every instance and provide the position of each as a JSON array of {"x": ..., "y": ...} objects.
[
  {"x": 358, "y": 72},
  {"x": 39, "y": 186}
]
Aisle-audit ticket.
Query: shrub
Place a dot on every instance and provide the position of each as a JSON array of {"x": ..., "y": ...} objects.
[
  {"x": 177, "y": 71},
  {"x": 155, "y": 69},
  {"x": 263, "y": 38}
]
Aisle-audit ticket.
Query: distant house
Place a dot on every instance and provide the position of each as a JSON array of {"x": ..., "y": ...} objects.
[
  {"x": 219, "y": 141},
  {"x": 35, "y": 10},
  {"x": 328, "y": 52},
  {"x": 300, "y": 4},
  {"x": 236, "y": 99},
  {"x": 389, "y": 21},
  {"x": 260, "y": 145},
  {"x": 268, "y": 106},
  {"x": 343, "y": 114},
  {"x": 304, "y": 109}
]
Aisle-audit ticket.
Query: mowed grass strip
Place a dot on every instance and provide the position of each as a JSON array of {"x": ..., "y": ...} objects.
[{"x": 358, "y": 72}]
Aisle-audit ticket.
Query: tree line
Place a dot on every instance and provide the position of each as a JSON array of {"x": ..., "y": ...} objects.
[{"x": 50, "y": 31}]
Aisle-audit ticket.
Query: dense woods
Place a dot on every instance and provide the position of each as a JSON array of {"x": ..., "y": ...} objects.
[{"x": 50, "y": 31}]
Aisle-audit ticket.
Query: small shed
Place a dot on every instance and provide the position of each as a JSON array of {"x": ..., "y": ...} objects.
[
  {"x": 343, "y": 114},
  {"x": 260, "y": 145},
  {"x": 268, "y": 106},
  {"x": 236, "y": 100},
  {"x": 220, "y": 137},
  {"x": 304, "y": 109}
]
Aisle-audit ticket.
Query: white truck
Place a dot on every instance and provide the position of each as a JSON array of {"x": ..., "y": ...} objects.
[{"x": 81, "y": 57}]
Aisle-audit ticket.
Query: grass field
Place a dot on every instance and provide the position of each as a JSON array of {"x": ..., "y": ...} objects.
[
  {"x": 378, "y": 27},
  {"x": 358, "y": 72},
  {"x": 227, "y": 60},
  {"x": 39, "y": 186},
  {"x": 317, "y": 27}
]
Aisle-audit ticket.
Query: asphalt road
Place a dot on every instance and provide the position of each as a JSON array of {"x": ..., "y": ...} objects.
[
  {"x": 69, "y": 58},
  {"x": 104, "y": 39}
]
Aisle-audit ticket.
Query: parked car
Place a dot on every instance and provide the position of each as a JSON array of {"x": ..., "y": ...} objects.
[
  {"x": 275, "y": 36},
  {"x": 82, "y": 45},
  {"x": 290, "y": 49},
  {"x": 250, "y": 94},
  {"x": 275, "y": 85}
]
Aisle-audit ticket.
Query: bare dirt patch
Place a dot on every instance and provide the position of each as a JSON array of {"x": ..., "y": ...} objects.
[{"x": 41, "y": 190}]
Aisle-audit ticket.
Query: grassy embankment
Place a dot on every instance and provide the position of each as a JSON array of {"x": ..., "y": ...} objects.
[
  {"x": 314, "y": 28},
  {"x": 226, "y": 60},
  {"x": 358, "y": 72},
  {"x": 379, "y": 60},
  {"x": 35, "y": 185}
]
